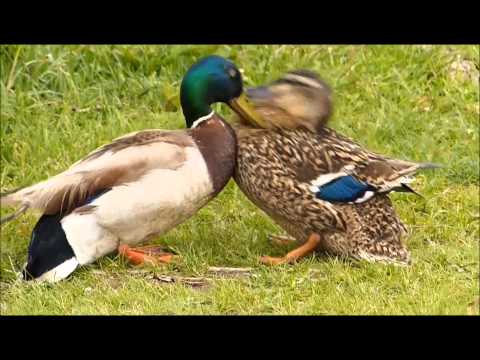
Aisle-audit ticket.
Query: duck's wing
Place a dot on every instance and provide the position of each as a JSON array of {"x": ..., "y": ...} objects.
[
  {"x": 123, "y": 161},
  {"x": 391, "y": 174},
  {"x": 355, "y": 174},
  {"x": 360, "y": 182}
]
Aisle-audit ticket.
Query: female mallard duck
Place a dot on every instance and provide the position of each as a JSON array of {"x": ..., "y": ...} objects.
[
  {"x": 325, "y": 190},
  {"x": 140, "y": 185}
]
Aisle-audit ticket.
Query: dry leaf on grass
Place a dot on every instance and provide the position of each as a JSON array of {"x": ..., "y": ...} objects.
[{"x": 463, "y": 70}]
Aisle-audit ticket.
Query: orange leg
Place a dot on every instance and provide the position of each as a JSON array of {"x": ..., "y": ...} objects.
[
  {"x": 153, "y": 255},
  {"x": 310, "y": 245}
]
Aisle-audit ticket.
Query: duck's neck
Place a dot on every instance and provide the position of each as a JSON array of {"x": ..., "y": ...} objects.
[
  {"x": 202, "y": 119},
  {"x": 217, "y": 143},
  {"x": 196, "y": 112},
  {"x": 194, "y": 99}
]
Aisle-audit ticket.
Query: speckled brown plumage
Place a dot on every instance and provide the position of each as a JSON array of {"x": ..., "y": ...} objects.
[
  {"x": 282, "y": 158},
  {"x": 274, "y": 169}
]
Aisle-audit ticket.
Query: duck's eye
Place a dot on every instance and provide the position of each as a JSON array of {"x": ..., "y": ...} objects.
[{"x": 232, "y": 72}]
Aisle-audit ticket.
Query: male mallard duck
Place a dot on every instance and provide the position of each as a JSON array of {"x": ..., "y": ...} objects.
[
  {"x": 325, "y": 190},
  {"x": 140, "y": 185}
]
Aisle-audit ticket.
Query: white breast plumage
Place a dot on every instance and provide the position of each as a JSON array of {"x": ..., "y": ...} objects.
[{"x": 134, "y": 212}]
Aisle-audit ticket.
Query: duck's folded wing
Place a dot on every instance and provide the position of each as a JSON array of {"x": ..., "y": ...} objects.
[
  {"x": 359, "y": 183},
  {"x": 390, "y": 174},
  {"x": 123, "y": 161}
]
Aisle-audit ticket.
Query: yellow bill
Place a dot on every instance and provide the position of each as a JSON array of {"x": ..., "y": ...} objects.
[{"x": 243, "y": 108}]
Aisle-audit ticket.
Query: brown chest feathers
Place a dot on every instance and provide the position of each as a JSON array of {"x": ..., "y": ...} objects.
[{"x": 217, "y": 143}]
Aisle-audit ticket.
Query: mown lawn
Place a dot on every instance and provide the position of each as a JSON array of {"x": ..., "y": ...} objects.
[{"x": 412, "y": 102}]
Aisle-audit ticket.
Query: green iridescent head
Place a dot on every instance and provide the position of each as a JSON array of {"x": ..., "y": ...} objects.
[{"x": 212, "y": 79}]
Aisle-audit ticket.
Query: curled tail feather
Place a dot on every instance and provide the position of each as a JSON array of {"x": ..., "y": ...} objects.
[
  {"x": 16, "y": 214},
  {"x": 9, "y": 198}
]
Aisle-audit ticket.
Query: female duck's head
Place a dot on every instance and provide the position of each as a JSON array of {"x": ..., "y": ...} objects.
[
  {"x": 211, "y": 80},
  {"x": 298, "y": 99}
]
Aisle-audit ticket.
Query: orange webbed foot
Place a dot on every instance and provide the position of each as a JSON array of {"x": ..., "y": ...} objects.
[{"x": 152, "y": 255}]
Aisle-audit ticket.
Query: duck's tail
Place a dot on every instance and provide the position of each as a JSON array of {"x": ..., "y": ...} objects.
[
  {"x": 406, "y": 176},
  {"x": 16, "y": 214},
  {"x": 409, "y": 170}
]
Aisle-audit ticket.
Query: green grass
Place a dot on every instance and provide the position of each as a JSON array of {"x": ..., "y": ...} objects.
[{"x": 60, "y": 102}]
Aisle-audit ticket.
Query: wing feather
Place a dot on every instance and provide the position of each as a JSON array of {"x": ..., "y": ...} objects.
[{"x": 123, "y": 161}]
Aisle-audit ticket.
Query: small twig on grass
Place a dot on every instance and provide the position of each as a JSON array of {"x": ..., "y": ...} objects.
[
  {"x": 197, "y": 281},
  {"x": 190, "y": 281},
  {"x": 230, "y": 271}
]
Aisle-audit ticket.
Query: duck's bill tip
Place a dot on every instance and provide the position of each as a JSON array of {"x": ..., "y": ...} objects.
[{"x": 245, "y": 110}]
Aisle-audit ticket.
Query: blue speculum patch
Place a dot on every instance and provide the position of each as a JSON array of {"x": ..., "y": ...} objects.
[{"x": 344, "y": 189}]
